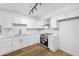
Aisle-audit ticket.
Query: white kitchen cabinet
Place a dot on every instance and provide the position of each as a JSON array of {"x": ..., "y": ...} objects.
[
  {"x": 28, "y": 41},
  {"x": 53, "y": 43},
  {"x": 16, "y": 43},
  {"x": 53, "y": 22},
  {"x": 7, "y": 21},
  {"x": 16, "y": 20},
  {"x": 24, "y": 41},
  {"x": 5, "y": 46},
  {"x": 21, "y": 42}
]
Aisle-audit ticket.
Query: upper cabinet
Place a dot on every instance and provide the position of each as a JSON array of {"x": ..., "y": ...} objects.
[
  {"x": 16, "y": 20},
  {"x": 6, "y": 21},
  {"x": 53, "y": 22}
]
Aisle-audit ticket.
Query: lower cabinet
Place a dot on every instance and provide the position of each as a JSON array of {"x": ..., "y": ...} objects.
[
  {"x": 24, "y": 41},
  {"x": 16, "y": 43},
  {"x": 19, "y": 42},
  {"x": 50, "y": 43},
  {"x": 5, "y": 46},
  {"x": 53, "y": 43}
]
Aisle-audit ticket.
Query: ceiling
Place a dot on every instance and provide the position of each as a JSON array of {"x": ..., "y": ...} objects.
[{"x": 24, "y": 8}]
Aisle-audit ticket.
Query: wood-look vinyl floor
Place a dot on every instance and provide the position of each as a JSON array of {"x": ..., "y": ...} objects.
[{"x": 37, "y": 50}]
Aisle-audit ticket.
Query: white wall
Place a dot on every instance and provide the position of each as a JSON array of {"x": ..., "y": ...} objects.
[
  {"x": 69, "y": 31},
  {"x": 66, "y": 11},
  {"x": 69, "y": 36}
]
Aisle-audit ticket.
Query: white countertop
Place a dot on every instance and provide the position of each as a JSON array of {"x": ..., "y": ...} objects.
[
  {"x": 15, "y": 36},
  {"x": 1, "y": 37}
]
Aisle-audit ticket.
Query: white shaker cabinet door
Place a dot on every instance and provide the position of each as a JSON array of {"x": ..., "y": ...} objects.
[
  {"x": 5, "y": 46},
  {"x": 51, "y": 43},
  {"x": 53, "y": 22},
  {"x": 7, "y": 21},
  {"x": 16, "y": 44},
  {"x": 24, "y": 41}
]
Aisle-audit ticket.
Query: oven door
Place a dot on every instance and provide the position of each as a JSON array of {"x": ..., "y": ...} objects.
[{"x": 44, "y": 41}]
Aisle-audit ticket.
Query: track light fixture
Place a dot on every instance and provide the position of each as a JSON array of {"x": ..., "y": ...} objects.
[
  {"x": 34, "y": 7},
  {"x": 32, "y": 11},
  {"x": 29, "y": 12}
]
